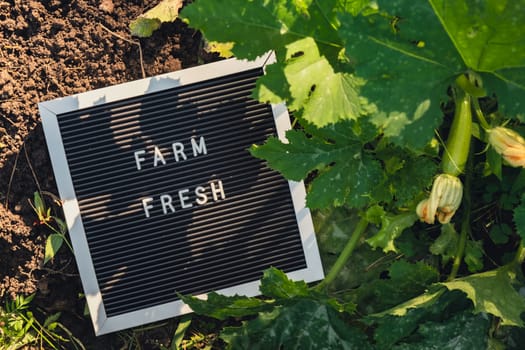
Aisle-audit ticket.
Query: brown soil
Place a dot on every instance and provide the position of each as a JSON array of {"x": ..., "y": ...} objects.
[{"x": 49, "y": 49}]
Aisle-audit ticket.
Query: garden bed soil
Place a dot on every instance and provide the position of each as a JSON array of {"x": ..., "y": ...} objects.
[{"x": 50, "y": 49}]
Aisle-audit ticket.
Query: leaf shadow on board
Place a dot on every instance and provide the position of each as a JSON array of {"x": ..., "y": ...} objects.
[{"x": 171, "y": 199}]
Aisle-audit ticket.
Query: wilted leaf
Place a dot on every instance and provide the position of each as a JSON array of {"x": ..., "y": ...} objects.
[
  {"x": 223, "y": 49},
  {"x": 147, "y": 23}
]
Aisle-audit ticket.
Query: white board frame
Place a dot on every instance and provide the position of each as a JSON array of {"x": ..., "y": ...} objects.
[{"x": 50, "y": 109}]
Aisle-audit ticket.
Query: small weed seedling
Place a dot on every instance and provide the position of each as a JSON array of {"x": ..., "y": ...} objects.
[
  {"x": 19, "y": 327},
  {"x": 59, "y": 228}
]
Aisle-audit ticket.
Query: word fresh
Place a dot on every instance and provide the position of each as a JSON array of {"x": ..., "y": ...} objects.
[{"x": 185, "y": 198}]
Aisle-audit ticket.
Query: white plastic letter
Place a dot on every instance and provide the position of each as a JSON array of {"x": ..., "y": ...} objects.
[
  {"x": 138, "y": 158},
  {"x": 215, "y": 191},
  {"x": 184, "y": 198},
  {"x": 158, "y": 156},
  {"x": 200, "y": 148},
  {"x": 165, "y": 200},
  {"x": 178, "y": 150},
  {"x": 202, "y": 198},
  {"x": 147, "y": 206}
]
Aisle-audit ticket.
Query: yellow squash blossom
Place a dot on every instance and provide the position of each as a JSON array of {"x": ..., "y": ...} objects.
[
  {"x": 444, "y": 200},
  {"x": 509, "y": 144}
]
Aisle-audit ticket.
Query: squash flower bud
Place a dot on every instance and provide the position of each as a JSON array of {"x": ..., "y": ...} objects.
[
  {"x": 445, "y": 199},
  {"x": 509, "y": 144}
]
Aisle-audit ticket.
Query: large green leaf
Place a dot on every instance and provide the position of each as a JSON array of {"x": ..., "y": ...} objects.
[
  {"x": 407, "y": 175},
  {"x": 303, "y": 325},
  {"x": 410, "y": 325},
  {"x": 489, "y": 34},
  {"x": 408, "y": 61},
  {"x": 311, "y": 86},
  {"x": 508, "y": 85},
  {"x": 275, "y": 284},
  {"x": 303, "y": 35},
  {"x": 493, "y": 292},
  {"x": 404, "y": 280},
  {"x": 255, "y": 27},
  {"x": 463, "y": 331},
  {"x": 347, "y": 174}
]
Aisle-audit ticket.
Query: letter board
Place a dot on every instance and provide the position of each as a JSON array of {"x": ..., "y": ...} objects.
[{"x": 161, "y": 195}]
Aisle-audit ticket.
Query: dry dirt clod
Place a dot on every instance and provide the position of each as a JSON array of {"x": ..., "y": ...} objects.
[{"x": 107, "y": 6}]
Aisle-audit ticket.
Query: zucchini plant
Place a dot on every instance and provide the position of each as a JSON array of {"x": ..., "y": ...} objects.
[{"x": 409, "y": 122}]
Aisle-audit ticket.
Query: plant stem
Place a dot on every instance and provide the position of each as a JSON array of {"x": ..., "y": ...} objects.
[
  {"x": 345, "y": 254},
  {"x": 460, "y": 248},
  {"x": 61, "y": 234},
  {"x": 520, "y": 254},
  {"x": 465, "y": 224},
  {"x": 484, "y": 124}
]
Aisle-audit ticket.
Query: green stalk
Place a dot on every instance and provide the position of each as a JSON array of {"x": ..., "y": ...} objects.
[
  {"x": 520, "y": 255},
  {"x": 61, "y": 235},
  {"x": 345, "y": 254},
  {"x": 465, "y": 224},
  {"x": 484, "y": 124},
  {"x": 460, "y": 248}
]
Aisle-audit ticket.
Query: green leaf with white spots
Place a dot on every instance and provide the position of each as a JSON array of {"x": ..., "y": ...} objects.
[
  {"x": 436, "y": 319},
  {"x": 493, "y": 292},
  {"x": 346, "y": 173},
  {"x": 408, "y": 61},
  {"x": 450, "y": 334},
  {"x": 305, "y": 324},
  {"x": 407, "y": 175}
]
